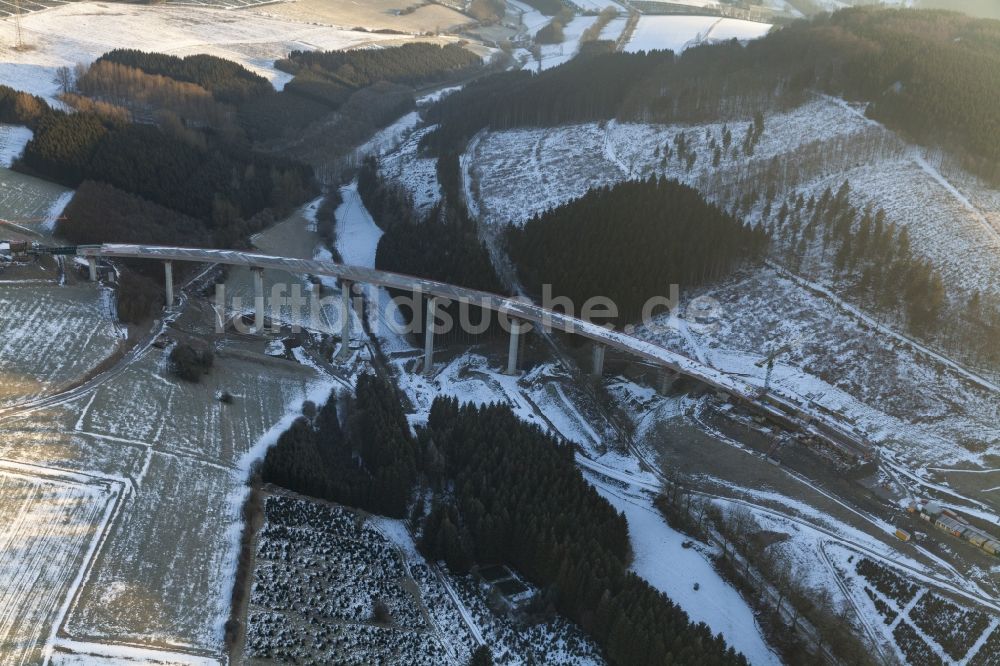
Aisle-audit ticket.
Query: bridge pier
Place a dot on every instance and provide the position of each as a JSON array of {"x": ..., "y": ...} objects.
[
  {"x": 597, "y": 369},
  {"x": 168, "y": 269},
  {"x": 429, "y": 336},
  {"x": 667, "y": 380},
  {"x": 513, "y": 350},
  {"x": 258, "y": 299},
  {"x": 345, "y": 323},
  {"x": 92, "y": 264}
]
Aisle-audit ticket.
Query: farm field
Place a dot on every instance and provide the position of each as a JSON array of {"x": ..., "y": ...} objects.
[
  {"x": 161, "y": 574},
  {"x": 679, "y": 32},
  {"x": 51, "y": 335},
  {"x": 371, "y": 14},
  {"x": 82, "y": 31},
  {"x": 32, "y": 204},
  {"x": 49, "y": 523}
]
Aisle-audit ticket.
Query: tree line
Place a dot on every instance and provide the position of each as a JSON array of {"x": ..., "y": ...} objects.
[
  {"x": 873, "y": 256},
  {"x": 928, "y": 73},
  {"x": 629, "y": 243},
  {"x": 442, "y": 245},
  {"x": 370, "y": 461},
  {"x": 507, "y": 491},
  {"x": 500, "y": 491},
  {"x": 226, "y": 80}
]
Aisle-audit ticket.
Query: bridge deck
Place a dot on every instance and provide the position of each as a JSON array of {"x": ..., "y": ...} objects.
[{"x": 510, "y": 307}]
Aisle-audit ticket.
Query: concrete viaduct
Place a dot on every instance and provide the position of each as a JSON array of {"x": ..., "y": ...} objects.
[{"x": 518, "y": 312}]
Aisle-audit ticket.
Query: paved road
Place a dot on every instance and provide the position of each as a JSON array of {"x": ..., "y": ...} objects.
[{"x": 817, "y": 424}]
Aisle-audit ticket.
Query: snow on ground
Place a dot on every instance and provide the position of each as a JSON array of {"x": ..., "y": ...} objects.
[
  {"x": 162, "y": 574},
  {"x": 950, "y": 215},
  {"x": 82, "y": 31},
  {"x": 49, "y": 525},
  {"x": 678, "y": 32},
  {"x": 674, "y": 570},
  {"x": 389, "y": 138},
  {"x": 13, "y": 139},
  {"x": 613, "y": 30},
  {"x": 417, "y": 174},
  {"x": 532, "y": 19},
  {"x": 597, "y": 5},
  {"x": 357, "y": 234},
  {"x": 554, "y": 55},
  {"x": 357, "y": 243},
  {"x": 538, "y": 398},
  {"x": 30, "y": 202},
  {"x": 928, "y": 416},
  {"x": 51, "y": 335}
]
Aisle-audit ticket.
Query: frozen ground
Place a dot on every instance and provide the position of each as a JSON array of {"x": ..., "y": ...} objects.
[
  {"x": 928, "y": 414},
  {"x": 554, "y": 55},
  {"x": 678, "y": 32},
  {"x": 950, "y": 216},
  {"x": 30, "y": 203},
  {"x": 320, "y": 569},
  {"x": 418, "y": 174},
  {"x": 715, "y": 602},
  {"x": 49, "y": 525},
  {"x": 13, "y": 139},
  {"x": 546, "y": 396},
  {"x": 150, "y": 583},
  {"x": 52, "y": 335},
  {"x": 82, "y": 31}
]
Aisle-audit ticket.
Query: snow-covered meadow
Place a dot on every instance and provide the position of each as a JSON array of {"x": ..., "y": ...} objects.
[
  {"x": 50, "y": 523},
  {"x": 51, "y": 335},
  {"x": 678, "y": 32},
  {"x": 79, "y": 32}
]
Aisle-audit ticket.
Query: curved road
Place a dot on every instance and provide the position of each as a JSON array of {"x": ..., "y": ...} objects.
[{"x": 816, "y": 424}]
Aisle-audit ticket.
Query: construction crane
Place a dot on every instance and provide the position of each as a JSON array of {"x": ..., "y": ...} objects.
[{"x": 769, "y": 362}]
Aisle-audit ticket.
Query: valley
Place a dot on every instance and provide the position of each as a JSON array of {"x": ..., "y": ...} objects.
[{"x": 306, "y": 497}]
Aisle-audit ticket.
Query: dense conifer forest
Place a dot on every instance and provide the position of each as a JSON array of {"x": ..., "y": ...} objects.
[
  {"x": 442, "y": 245},
  {"x": 226, "y": 80},
  {"x": 508, "y": 492},
  {"x": 328, "y": 81},
  {"x": 504, "y": 491},
  {"x": 932, "y": 74},
  {"x": 410, "y": 64},
  {"x": 629, "y": 243},
  {"x": 370, "y": 462}
]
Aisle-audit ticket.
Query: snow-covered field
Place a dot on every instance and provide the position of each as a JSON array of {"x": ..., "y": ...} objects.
[
  {"x": 554, "y": 55},
  {"x": 171, "y": 455},
  {"x": 49, "y": 524},
  {"x": 951, "y": 216},
  {"x": 678, "y": 32},
  {"x": 51, "y": 335},
  {"x": 13, "y": 139},
  {"x": 82, "y": 31},
  {"x": 532, "y": 19},
  {"x": 29, "y": 202},
  {"x": 715, "y": 602}
]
